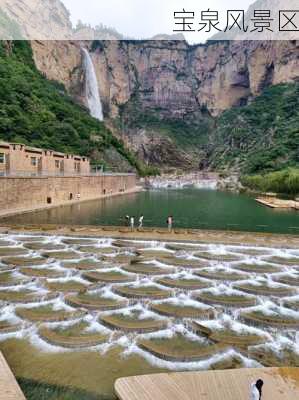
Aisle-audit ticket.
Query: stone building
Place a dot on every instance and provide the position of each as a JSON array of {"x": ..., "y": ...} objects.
[{"x": 22, "y": 160}]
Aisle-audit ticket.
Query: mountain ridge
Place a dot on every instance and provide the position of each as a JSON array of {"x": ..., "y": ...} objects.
[{"x": 164, "y": 99}]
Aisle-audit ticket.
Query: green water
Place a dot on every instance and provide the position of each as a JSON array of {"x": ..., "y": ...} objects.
[{"x": 191, "y": 208}]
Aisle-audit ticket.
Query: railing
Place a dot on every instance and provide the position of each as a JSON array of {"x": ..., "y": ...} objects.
[{"x": 27, "y": 174}]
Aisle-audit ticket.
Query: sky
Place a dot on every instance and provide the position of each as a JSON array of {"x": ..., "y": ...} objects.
[{"x": 146, "y": 18}]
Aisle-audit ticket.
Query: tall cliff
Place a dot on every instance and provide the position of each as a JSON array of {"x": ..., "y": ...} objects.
[
  {"x": 163, "y": 97},
  {"x": 172, "y": 75}
]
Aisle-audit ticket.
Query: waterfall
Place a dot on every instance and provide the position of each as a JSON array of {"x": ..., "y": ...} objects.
[{"x": 92, "y": 88}]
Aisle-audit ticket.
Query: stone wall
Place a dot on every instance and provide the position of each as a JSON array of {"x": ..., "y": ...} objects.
[{"x": 38, "y": 192}]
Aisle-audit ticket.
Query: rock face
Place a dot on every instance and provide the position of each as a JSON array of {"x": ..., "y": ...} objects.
[
  {"x": 38, "y": 19},
  {"x": 172, "y": 76},
  {"x": 171, "y": 80},
  {"x": 61, "y": 61},
  {"x": 179, "y": 79}
]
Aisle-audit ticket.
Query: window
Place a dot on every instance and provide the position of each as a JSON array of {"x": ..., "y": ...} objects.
[
  {"x": 57, "y": 163},
  {"x": 33, "y": 161},
  {"x": 2, "y": 158}
]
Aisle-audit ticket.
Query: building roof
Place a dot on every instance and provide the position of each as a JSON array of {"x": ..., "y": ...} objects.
[{"x": 37, "y": 149}]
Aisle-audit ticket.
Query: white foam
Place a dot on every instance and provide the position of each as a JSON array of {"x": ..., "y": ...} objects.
[{"x": 128, "y": 342}]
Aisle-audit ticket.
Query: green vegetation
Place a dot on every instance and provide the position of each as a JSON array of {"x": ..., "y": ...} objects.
[
  {"x": 285, "y": 181},
  {"x": 34, "y": 390},
  {"x": 260, "y": 137},
  {"x": 187, "y": 133},
  {"x": 37, "y": 112}
]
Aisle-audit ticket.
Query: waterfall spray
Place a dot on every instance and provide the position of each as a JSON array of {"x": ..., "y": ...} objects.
[{"x": 92, "y": 88}]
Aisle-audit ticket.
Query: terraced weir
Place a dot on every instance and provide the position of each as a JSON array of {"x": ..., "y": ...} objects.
[{"x": 81, "y": 312}]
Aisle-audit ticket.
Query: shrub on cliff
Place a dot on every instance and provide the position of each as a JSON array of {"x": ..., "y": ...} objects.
[
  {"x": 285, "y": 181},
  {"x": 262, "y": 136}
]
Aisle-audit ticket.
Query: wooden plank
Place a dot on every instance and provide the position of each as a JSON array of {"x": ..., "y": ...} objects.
[
  {"x": 278, "y": 203},
  {"x": 279, "y": 384},
  {"x": 9, "y": 388}
]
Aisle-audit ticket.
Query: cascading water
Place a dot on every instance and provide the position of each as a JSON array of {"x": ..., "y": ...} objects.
[
  {"x": 88, "y": 331},
  {"x": 92, "y": 88}
]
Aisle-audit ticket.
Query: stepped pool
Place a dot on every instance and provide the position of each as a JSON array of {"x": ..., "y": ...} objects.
[
  {"x": 191, "y": 208},
  {"x": 77, "y": 313}
]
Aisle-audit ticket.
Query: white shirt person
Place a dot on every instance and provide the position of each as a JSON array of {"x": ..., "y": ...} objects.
[
  {"x": 256, "y": 390},
  {"x": 132, "y": 222},
  {"x": 141, "y": 221}
]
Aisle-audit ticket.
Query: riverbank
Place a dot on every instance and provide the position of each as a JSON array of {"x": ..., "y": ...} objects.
[
  {"x": 200, "y": 180},
  {"x": 159, "y": 234}
]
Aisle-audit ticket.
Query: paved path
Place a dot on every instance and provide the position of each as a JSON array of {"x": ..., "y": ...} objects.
[
  {"x": 279, "y": 384},
  {"x": 9, "y": 389}
]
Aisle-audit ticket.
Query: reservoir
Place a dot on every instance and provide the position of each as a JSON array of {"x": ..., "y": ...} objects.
[{"x": 191, "y": 208}]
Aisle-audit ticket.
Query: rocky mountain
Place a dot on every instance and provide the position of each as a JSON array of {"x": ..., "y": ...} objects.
[
  {"x": 172, "y": 75},
  {"x": 164, "y": 98},
  {"x": 38, "y": 19}
]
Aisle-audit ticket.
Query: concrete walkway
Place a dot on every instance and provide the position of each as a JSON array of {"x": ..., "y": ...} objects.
[
  {"x": 279, "y": 384},
  {"x": 9, "y": 389}
]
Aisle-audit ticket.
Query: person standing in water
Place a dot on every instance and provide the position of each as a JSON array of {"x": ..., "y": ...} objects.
[
  {"x": 256, "y": 390},
  {"x": 170, "y": 223},
  {"x": 132, "y": 223},
  {"x": 141, "y": 221}
]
